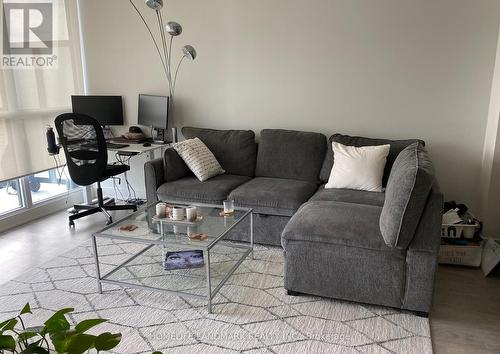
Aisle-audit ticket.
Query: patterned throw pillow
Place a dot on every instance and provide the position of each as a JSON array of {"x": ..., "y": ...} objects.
[{"x": 199, "y": 159}]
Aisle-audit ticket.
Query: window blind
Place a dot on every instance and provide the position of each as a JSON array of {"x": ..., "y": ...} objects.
[{"x": 31, "y": 97}]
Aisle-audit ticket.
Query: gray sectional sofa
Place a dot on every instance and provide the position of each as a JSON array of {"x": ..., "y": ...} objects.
[{"x": 377, "y": 248}]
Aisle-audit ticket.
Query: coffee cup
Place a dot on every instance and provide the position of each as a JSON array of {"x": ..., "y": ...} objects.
[
  {"x": 191, "y": 213},
  {"x": 178, "y": 213},
  {"x": 161, "y": 210}
]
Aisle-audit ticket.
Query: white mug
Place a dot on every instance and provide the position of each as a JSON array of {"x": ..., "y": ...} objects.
[
  {"x": 161, "y": 210},
  {"x": 178, "y": 213},
  {"x": 191, "y": 213}
]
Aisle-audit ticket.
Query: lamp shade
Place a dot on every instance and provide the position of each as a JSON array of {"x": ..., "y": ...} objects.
[
  {"x": 155, "y": 4},
  {"x": 173, "y": 29},
  {"x": 189, "y": 52}
]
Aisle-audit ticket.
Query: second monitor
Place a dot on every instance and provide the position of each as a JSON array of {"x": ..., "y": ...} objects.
[{"x": 153, "y": 112}]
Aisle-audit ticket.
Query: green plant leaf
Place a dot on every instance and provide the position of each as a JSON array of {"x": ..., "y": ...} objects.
[
  {"x": 88, "y": 324},
  {"x": 157, "y": 352},
  {"x": 58, "y": 322},
  {"x": 80, "y": 343},
  {"x": 2, "y": 324},
  {"x": 10, "y": 325},
  {"x": 26, "y": 309},
  {"x": 61, "y": 340},
  {"x": 107, "y": 341},
  {"x": 7, "y": 342},
  {"x": 35, "y": 348}
]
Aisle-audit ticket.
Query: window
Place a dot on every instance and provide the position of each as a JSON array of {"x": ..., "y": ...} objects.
[
  {"x": 31, "y": 97},
  {"x": 22, "y": 193},
  {"x": 10, "y": 196},
  {"x": 49, "y": 184}
]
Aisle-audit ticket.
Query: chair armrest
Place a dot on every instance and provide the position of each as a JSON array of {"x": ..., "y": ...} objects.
[{"x": 154, "y": 175}]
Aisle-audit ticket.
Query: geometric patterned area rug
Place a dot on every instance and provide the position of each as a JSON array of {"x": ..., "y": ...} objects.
[{"x": 252, "y": 313}]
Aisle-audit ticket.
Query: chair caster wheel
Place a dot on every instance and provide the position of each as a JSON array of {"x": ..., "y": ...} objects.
[{"x": 71, "y": 223}]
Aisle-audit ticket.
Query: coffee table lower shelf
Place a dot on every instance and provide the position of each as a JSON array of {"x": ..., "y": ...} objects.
[{"x": 202, "y": 283}]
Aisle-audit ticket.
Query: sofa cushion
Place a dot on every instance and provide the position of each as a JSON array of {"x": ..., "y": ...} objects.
[
  {"x": 396, "y": 147},
  {"x": 235, "y": 150},
  {"x": 337, "y": 223},
  {"x": 409, "y": 184},
  {"x": 348, "y": 196},
  {"x": 290, "y": 154},
  {"x": 190, "y": 189},
  {"x": 273, "y": 196}
]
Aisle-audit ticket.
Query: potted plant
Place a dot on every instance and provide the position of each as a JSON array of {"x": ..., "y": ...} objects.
[{"x": 15, "y": 337}]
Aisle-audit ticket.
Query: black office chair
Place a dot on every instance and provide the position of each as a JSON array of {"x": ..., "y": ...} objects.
[{"x": 87, "y": 159}]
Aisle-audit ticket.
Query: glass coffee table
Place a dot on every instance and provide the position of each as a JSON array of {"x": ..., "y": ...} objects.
[{"x": 145, "y": 267}]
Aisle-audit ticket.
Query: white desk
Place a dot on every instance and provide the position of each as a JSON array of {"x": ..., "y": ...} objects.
[
  {"x": 137, "y": 150},
  {"x": 140, "y": 149}
]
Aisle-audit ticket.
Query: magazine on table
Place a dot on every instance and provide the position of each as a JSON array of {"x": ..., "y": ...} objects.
[{"x": 184, "y": 260}]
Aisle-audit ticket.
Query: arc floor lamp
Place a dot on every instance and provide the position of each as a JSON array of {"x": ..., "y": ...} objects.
[{"x": 167, "y": 33}]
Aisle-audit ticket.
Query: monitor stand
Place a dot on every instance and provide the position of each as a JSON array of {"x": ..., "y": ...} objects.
[{"x": 160, "y": 136}]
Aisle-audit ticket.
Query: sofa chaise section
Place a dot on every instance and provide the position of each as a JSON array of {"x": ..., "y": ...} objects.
[
  {"x": 384, "y": 254},
  {"x": 335, "y": 249}
]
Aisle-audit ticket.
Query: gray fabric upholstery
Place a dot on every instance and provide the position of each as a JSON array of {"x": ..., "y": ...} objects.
[
  {"x": 235, "y": 150},
  {"x": 336, "y": 223},
  {"x": 190, "y": 189},
  {"x": 396, "y": 147},
  {"x": 174, "y": 166},
  {"x": 343, "y": 272},
  {"x": 348, "y": 196},
  {"x": 290, "y": 154},
  {"x": 410, "y": 181},
  {"x": 267, "y": 229},
  {"x": 428, "y": 234},
  {"x": 421, "y": 257},
  {"x": 273, "y": 196},
  {"x": 154, "y": 177}
]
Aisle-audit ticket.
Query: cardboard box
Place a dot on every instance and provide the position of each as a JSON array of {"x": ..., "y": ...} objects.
[{"x": 465, "y": 253}]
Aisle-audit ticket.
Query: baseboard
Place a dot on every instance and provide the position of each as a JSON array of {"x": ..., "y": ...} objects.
[{"x": 22, "y": 216}]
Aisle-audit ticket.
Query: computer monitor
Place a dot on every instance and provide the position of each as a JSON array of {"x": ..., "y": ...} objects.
[
  {"x": 108, "y": 110},
  {"x": 153, "y": 111}
]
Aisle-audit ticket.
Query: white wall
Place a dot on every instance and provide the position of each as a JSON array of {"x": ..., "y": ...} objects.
[
  {"x": 380, "y": 68},
  {"x": 490, "y": 182}
]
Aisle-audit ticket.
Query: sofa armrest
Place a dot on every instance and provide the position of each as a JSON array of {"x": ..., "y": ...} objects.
[
  {"x": 154, "y": 176},
  {"x": 167, "y": 169},
  {"x": 428, "y": 234}
]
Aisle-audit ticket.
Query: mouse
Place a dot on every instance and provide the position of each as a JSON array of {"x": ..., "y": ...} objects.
[{"x": 146, "y": 144}]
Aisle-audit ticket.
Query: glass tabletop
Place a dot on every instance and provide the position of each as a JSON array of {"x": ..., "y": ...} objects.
[{"x": 149, "y": 229}]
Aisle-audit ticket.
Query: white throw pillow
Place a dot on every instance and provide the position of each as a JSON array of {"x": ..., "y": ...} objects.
[
  {"x": 199, "y": 159},
  {"x": 358, "y": 167}
]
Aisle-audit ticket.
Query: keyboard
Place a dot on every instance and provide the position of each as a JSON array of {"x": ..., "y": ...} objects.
[{"x": 116, "y": 146}]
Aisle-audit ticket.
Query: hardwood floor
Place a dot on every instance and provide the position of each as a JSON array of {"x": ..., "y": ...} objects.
[
  {"x": 465, "y": 316},
  {"x": 39, "y": 241}
]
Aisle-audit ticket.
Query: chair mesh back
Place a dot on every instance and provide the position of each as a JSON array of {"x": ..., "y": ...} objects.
[{"x": 84, "y": 146}]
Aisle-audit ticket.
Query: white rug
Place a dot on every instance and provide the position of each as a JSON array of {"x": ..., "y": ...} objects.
[{"x": 252, "y": 312}]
